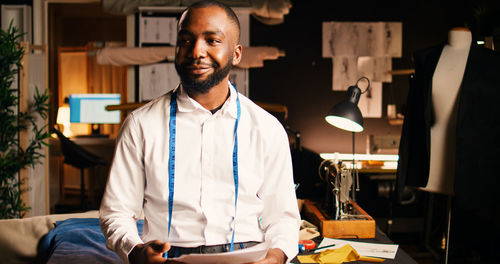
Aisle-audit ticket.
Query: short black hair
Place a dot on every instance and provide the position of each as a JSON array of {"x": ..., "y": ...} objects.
[{"x": 229, "y": 11}]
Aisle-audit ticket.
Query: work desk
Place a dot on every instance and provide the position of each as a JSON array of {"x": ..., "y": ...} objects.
[
  {"x": 65, "y": 179},
  {"x": 371, "y": 233},
  {"x": 380, "y": 237}
]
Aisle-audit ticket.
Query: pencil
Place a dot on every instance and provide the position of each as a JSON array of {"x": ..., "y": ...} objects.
[{"x": 329, "y": 246}]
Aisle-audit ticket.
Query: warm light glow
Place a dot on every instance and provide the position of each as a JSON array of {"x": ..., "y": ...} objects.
[
  {"x": 344, "y": 123},
  {"x": 63, "y": 115},
  {"x": 388, "y": 165},
  {"x": 63, "y": 119},
  {"x": 344, "y": 156},
  {"x": 390, "y": 161}
]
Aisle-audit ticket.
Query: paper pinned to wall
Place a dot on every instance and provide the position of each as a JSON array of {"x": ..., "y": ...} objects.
[
  {"x": 375, "y": 39},
  {"x": 156, "y": 80},
  {"x": 345, "y": 72},
  {"x": 370, "y": 103},
  {"x": 339, "y": 39},
  {"x": 393, "y": 33},
  {"x": 362, "y": 49},
  {"x": 158, "y": 30},
  {"x": 377, "y": 69}
]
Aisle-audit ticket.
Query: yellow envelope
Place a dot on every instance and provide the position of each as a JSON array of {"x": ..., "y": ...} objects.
[{"x": 336, "y": 256}]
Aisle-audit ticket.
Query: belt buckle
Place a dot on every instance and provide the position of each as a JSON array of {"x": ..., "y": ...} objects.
[{"x": 201, "y": 249}]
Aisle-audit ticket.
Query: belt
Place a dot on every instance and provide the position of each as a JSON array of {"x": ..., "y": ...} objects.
[{"x": 178, "y": 251}]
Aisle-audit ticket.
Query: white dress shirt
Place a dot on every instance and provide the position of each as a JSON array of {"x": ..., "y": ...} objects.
[{"x": 204, "y": 192}]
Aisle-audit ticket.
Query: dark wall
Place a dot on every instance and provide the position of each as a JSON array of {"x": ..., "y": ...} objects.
[{"x": 302, "y": 80}]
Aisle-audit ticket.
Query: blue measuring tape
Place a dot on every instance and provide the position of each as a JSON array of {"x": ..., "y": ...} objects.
[
  {"x": 171, "y": 156},
  {"x": 171, "y": 161}
]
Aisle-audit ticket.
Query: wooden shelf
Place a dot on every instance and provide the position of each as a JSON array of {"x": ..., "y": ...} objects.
[{"x": 396, "y": 121}]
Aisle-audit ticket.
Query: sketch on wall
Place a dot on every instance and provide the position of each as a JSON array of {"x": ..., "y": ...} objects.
[
  {"x": 370, "y": 103},
  {"x": 374, "y": 39},
  {"x": 345, "y": 70},
  {"x": 158, "y": 30},
  {"x": 362, "y": 49},
  {"x": 157, "y": 79},
  {"x": 377, "y": 69}
]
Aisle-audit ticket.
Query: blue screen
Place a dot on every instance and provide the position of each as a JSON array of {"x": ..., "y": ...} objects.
[{"x": 90, "y": 108}]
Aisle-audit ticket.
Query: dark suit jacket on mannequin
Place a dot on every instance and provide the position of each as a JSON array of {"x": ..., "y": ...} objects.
[{"x": 477, "y": 165}]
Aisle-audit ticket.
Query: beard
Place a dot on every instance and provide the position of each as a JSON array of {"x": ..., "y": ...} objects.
[{"x": 194, "y": 86}]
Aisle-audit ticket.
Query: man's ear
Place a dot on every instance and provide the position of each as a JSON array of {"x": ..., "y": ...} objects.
[{"x": 237, "y": 53}]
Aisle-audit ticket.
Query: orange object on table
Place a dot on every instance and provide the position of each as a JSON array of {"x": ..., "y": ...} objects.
[{"x": 308, "y": 244}]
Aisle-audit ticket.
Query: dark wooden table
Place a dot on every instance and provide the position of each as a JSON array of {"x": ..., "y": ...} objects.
[{"x": 380, "y": 237}]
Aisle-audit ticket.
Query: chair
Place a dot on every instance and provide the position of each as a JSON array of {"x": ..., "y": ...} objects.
[{"x": 78, "y": 157}]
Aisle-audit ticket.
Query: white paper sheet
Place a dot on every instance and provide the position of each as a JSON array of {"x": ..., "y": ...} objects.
[
  {"x": 345, "y": 72},
  {"x": 158, "y": 30},
  {"x": 340, "y": 39},
  {"x": 361, "y": 49},
  {"x": 246, "y": 255},
  {"x": 353, "y": 39},
  {"x": 387, "y": 251},
  {"x": 156, "y": 80},
  {"x": 377, "y": 69},
  {"x": 370, "y": 103},
  {"x": 393, "y": 46}
]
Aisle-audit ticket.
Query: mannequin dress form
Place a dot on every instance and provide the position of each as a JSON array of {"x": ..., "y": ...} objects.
[{"x": 446, "y": 83}]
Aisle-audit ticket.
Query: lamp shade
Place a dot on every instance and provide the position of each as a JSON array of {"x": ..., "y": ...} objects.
[
  {"x": 63, "y": 115},
  {"x": 346, "y": 114}
]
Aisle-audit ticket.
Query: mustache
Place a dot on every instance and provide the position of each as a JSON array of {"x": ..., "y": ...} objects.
[{"x": 200, "y": 63}]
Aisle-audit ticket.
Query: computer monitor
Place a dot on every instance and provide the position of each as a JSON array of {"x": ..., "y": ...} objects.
[{"x": 91, "y": 109}]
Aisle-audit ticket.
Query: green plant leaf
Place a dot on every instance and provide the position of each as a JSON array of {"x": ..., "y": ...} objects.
[{"x": 13, "y": 157}]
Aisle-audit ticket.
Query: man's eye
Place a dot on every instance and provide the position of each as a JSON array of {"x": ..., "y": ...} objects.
[
  {"x": 184, "y": 41},
  {"x": 214, "y": 41}
]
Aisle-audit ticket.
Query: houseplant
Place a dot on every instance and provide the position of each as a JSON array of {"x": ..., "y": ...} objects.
[{"x": 14, "y": 157}]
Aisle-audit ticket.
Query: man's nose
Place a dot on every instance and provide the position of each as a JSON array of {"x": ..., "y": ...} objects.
[{"x": 199, "y": 50}]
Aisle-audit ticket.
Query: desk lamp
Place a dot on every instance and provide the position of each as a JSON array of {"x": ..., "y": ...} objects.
[
  {"x": 63, "y": 118},
  {"x": 347, "y": 116}
]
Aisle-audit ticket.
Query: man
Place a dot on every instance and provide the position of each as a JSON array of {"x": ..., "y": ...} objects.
[{"x": 210, "y": 170}]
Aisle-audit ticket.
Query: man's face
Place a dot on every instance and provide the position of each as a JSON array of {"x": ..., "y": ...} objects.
[{"x": 206, "y": 48}]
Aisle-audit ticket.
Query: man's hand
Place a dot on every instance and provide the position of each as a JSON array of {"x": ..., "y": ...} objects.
[
  {"x": 274, "y": 256},
  {"x": 149, "y": 253}
]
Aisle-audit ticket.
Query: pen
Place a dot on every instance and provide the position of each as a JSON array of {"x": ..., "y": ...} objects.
[{"x": 329, "y": 246}]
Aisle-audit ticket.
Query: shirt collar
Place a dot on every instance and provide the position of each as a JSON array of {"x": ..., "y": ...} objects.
[{"x": 188, "y": 104}]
